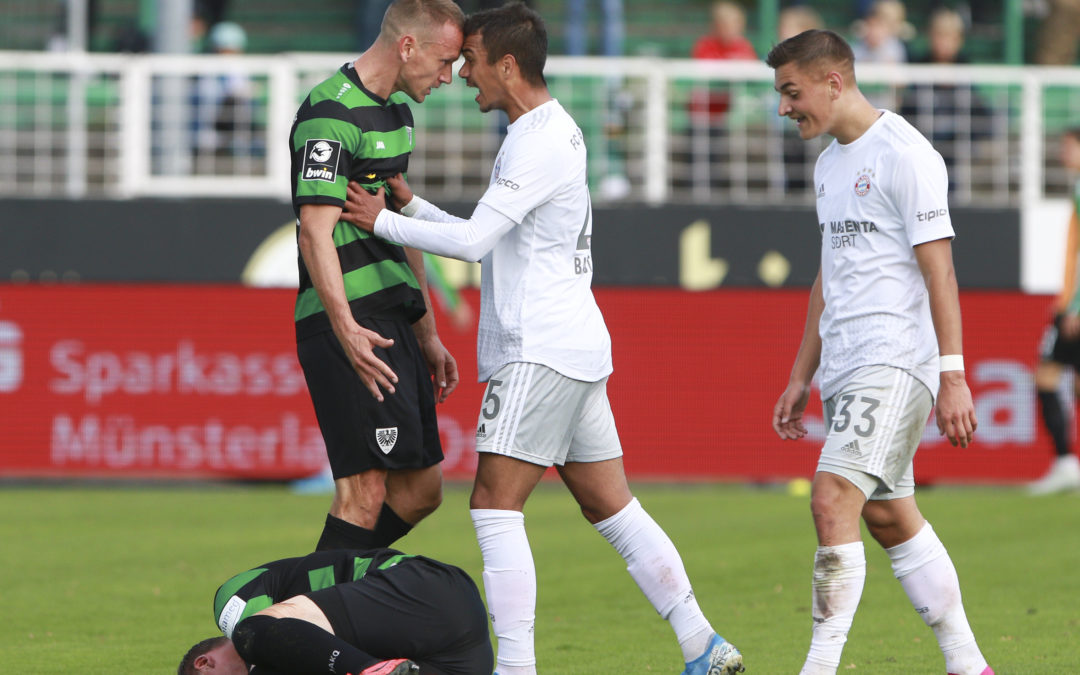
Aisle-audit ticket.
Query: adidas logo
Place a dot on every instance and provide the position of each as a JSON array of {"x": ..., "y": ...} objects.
[
  {"x": 851, "y": 449},
  {"x": 379, "y": 145},
  {"x": 821, "y": 191},
  {"x": 481, "y": 431}
]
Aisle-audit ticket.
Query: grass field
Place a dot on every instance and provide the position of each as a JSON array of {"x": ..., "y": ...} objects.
[{"x": 120, "y": 580}]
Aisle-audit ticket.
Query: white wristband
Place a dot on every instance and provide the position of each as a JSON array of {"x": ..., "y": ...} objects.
[{"x": 952, "y": 362}]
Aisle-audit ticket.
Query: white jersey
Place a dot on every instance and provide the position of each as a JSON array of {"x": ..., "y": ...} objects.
[
  {"x": 536, "y": 301},
  {"x": 877, "y": 197}
]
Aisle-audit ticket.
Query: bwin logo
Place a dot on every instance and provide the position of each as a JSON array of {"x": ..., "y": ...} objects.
[{"x": 321, "y": 152}]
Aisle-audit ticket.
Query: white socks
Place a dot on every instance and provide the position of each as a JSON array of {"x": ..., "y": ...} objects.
[
  {"x": 839, "y": 576},
  {"x": 510, "y": 586},
  {"x": 510, "y": 581},
  {"x": 924, "y": 569},
  {"x": 654, "y": 563}
]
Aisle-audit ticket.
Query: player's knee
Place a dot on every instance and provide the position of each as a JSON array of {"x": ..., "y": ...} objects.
[
  {"x": 359, "y": 499},
  {"x": 430, "y": 500}
]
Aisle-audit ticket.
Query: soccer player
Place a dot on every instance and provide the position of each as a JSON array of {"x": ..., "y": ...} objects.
[
  {"x": 1061, "y": 345},
  {"x": 363, "y": 319},
  {"x": 884, "y": 303},
  {"x": 543, "y": 348},
  {"x": 376, "y": 612}
]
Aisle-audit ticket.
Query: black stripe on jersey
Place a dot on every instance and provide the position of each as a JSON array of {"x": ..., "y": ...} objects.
[
  {"x": 400, "y": 300},
  {"x": 383, "y": 168},
  {"x": 368, "y": 118},
  {"x": 360, "y": 253}
]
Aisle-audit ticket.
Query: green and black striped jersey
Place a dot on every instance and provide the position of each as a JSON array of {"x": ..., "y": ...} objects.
[
  {"x": 255, "y": 590},
  {"x": 344, "y": 132}
]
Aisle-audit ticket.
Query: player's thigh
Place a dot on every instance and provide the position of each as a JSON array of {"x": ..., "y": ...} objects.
[
  {"x": 361, "y": 433},
  {"x": 595, "y": 437},
  {"x": 529, "y": 412},
  {"x": 875, "y": 423}
]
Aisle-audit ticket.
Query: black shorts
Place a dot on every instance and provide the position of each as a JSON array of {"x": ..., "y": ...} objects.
[
  {"x": 361, "y": 433},
  {"x": 1057, "y": 349},
  {"x": 419, "y": 609}
]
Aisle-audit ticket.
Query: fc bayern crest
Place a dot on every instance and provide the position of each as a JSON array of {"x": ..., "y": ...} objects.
[
  {"x": 386, "y": 438},
  {"x": 862, "y": 186}
]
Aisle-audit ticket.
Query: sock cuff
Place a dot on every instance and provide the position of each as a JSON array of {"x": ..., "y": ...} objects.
[
  {"x": 911, "y": 555},
  {"x": 844, "y": 561},
  {"x": 845, "y": 552},
  {"x": 485, "y": 516},
  {"x": 613, "y": 523}
]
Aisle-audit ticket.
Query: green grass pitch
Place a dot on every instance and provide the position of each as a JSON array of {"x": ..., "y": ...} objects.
[{"x": 120, "y": 580}]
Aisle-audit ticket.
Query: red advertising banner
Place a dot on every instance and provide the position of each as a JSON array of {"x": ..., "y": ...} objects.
[{"x": 202, "y": 381}]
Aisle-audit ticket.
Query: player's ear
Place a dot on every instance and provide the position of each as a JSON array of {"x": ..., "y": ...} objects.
[
  {"x": 202, "y": 662},
  {"x": 836, "y": 84},
  {"x": 406, "y": 47},
  {"x": 507, "y": 65}
]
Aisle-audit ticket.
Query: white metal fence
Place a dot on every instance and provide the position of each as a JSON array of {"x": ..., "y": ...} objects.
[{"x": 90, "y": 125}]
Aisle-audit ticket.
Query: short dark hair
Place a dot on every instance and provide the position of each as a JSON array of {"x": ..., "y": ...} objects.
[
  {"x": 187, "y": 664},
  {"x": 405, "y": 15},
  {"x": 516, "y": 30},
  {"x": 812, "y": 47}
]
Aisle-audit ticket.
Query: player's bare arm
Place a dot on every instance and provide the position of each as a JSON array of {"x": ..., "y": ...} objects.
[
  {"x": 1069, "y": 324},
  {"x": 316, "y": 245},
  {"x": 441, "y": 363},
  {"x": 788, "y": 413},
  {"x": 954, "y": 408}
]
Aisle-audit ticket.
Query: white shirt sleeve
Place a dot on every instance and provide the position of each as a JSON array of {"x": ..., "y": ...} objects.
[
  {"x": 422, "y": 209},
  {"x": 922, "y": 194},
  {"x": 468, "y": 240},
  {"x": 530, "y": 172}
]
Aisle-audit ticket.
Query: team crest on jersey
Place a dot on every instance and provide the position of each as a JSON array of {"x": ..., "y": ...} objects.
[
  {"x": 386, "y": 438},
  {"x": 862, "y": 185},
  {"x": 320, "y": 160}
]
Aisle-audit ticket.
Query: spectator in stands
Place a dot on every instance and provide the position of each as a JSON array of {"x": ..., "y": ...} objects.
[
  {"x": 612, "y": 29},
  {"x": 1059, "y": 34},
  {"x": 619, "y": 101},
  {"x": 796, "y": 19},
  {"x": 952, "y": 116},
  {"x": 709, "y": 103},
  {"x": 727, "y": 36},
  {"x": 798, "y": 164},
  {"x": 223, "y": 107},
  {"x": 1060, "y": 348},
  {"x": 879, "y": 41},
  {"x": 879, "y": 34}
]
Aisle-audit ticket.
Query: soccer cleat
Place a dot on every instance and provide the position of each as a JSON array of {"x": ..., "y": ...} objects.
[
  {"x": 720, "y": 658},
  {"x": 1064, "y": 474},
  {"x": 988, "y": 671},
  {"x": 392, "y": 667}
]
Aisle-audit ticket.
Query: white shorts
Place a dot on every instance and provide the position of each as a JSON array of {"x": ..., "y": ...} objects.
[
  {"x": 537, "y": 415},
  {"x": 876, "y": 421}
]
